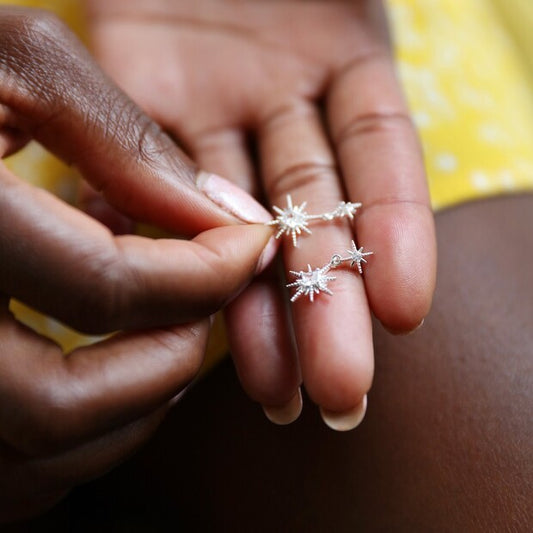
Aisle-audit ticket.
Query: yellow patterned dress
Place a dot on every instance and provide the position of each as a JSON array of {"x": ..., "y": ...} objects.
[{"x": 467, "y": 68}]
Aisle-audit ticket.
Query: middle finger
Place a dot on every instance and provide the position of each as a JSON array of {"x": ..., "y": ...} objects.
[{"x": 333, "y": 333}]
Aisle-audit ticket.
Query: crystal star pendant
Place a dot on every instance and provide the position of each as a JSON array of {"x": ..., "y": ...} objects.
[
  {"x": 311, "y": 282},
  {"x": 346, "y": 209},
  {"x": 357, "y": 257},
  {"x": 291, "y": 221}
]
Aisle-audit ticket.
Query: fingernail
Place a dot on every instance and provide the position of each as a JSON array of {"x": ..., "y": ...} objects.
[
  {"x": 286, "y": 414},
  {"x": 346, "y": 420},
  {"x": 267, "y": 255},
  {"x": 231, "y": 198},
  {"x": 176, "y": 399},
  {"x": 419, "y": 326},
  {"x": 404, "y": 332}
]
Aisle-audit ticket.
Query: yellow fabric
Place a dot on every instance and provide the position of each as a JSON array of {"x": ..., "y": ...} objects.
[
  {"x": 467, "y": 68},
  {"x": 470, "y": 90}
]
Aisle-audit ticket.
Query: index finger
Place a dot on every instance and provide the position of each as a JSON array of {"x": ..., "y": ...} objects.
[
  {"x": 382, "y": 165},
  {"x": 52, "y": 90}
]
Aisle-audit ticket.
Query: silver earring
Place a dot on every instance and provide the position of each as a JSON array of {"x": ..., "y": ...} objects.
[
  {"x": 315, "y": 281},
  {"x": 293, "y": 219}
]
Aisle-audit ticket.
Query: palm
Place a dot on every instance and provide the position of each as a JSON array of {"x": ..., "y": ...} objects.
[
  {"x": 223, "y": 52},
  {"x": 312, "y": 84}
]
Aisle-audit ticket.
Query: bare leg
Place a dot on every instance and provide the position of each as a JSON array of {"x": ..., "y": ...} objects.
[{"x": 447, "y": 444}]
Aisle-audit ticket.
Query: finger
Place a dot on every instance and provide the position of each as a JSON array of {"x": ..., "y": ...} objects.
[
  {"x": 34, "y": 484},
  {"x": 59, "y": 96},
  {"x": 51, "y": 402},
  {"x": 263, "y": 351},
  {"x": 382, "y": 166},
  {"x": 224, "y": 151},
  {"x": 333, "y": 333},
  {"x": 258, "y": 329},
  {"x": 123, "y": 282}
]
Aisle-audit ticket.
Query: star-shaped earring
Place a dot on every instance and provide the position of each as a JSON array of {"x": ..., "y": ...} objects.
[
  {"x": 346, "y": 209},
  {"x": 357, "y": 256},
  {"x": 291, "y": 221},
  {"x": 315, "y": 281},
  {"x": 311, "y": 282}
]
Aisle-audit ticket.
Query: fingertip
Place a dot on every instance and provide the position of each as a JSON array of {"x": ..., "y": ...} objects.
[
  {"x": 250, "y": 245},
  {"x": 406, "y": 330},
  {"x": 400, "y": 280},
  {"x": 345, "y": 420},
  {"x": 401, "y": 311},
  {"x": 339, "y": 386},
  {"x": 402, "y": 314},
  {"x": 285, "y": 414}
]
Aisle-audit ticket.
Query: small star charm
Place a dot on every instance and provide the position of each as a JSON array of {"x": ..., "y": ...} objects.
[
  {"x": 291, "y": 221},
  {"x": 346, "y": 209},
  {"x": 357, "y": 257},
  {"x": 311, "y": 282}
]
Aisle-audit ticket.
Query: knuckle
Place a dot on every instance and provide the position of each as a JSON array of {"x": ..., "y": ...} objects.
[
  {"x": 284, "y": 114},
  {"x": 153, "y": 147},
  {"x": 119, "y": 118},
  {"x": 376, "y": 122},
  {"x": 297, "y": 170},
  {"x": 148, "y": 138},
  {"x": 190, "y": 341},
  {"x": 148, "y": 141},
  {"x": 303, "y": 176}
]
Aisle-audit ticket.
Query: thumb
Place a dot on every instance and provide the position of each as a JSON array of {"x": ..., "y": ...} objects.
[{"x": 53, "y": 91}]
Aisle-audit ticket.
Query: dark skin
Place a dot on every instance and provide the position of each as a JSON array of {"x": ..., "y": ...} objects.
[
  {"x": 66, "y": 418},
  {"x": 446, "y": 444}
]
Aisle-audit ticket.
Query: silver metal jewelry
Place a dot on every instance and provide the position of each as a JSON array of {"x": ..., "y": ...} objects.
[
  {"x": 293, "y": 220},
  {"x": 357, "y": 257},
  {"x": 315, "y": 281},
  {"x": 311, "y": 282}
]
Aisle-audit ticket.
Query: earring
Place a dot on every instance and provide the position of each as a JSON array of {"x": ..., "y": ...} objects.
[
  {"x": 315, "y": 281},
  {"x": 293, "y": 219}
]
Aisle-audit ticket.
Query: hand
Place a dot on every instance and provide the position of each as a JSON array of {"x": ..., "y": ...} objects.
[
  {"x": 67, "y": 418},
  {"x": 312, "y": 85}
]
